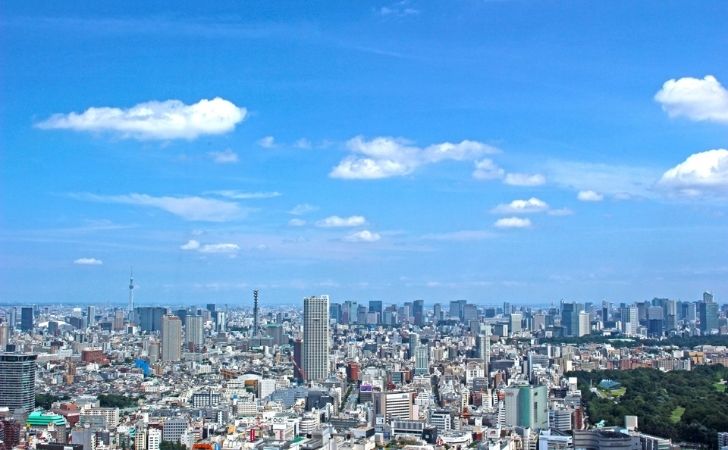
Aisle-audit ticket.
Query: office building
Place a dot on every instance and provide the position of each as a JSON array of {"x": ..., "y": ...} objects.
[
  {"x": 171, "y": 338},
  {"x": 570, "y": 318},
  {"x": 418, "y": 312},
  {"x": 422, "y": 360},
  {"x": 515, "y": 320},
  {"x": 315, "y": 338},
  {"x": 149, "y": 318},
  {"x": 584, "y": 324},
  {"x": 17, "y": 382},
  {"x": 708, "y": 314},
  {"x": 26, "y": 318},
  {"x": 527, "y": 406},
  {"x": 194, "y": 333},
  {"x": 4, "y": 335},
  {"x": 90, "y": 316},
  {"x": 394, "y": 405}
]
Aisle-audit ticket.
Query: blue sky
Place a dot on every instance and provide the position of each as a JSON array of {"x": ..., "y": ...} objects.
[{"x": 522, "y": 151}]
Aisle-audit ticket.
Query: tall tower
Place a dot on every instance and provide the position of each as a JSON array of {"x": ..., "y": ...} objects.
[
  {"x": 255, "y": 312},
  {"x": 131, "y": 296},
  {"x": 315, "y": 338}
]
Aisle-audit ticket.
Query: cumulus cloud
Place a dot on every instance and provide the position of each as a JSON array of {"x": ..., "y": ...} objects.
[
  {"x": 385, "y": 157},
  {"x": 363, "y": 236},
  {"x": 154, "y": 120},
  {"x": 239, "y": 195},
  {"x": 295, "y": 222},
  {"x": 226, "y": 156},
  {"x": 512, "y": 222},
  {"x": 524, "y": 179},
  {"x": 190, "y": 245},
  {"x": 193, "y": 245},
  {"x": 589, "y": 196},
  {"x": 302, "y": 209},
  {"x": 486, "y": 169},
  {"x": 189, "y": 208},
  {"x": 341, "y": 222},
  {"x": 88, "y": 262},
  {"x": 702, "y": 171},
  {"x": 532, "y": 205},
  {"x": 695, "y": 98},
  {"x": 267, "y": 142}
]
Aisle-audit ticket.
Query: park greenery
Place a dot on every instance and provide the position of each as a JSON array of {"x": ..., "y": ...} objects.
[
  {"x": 45, "y": 401},
  {"x": 686, "y": 406},
  {"x": 622, "y": 342},
  {"x": 117, "y": 401}
]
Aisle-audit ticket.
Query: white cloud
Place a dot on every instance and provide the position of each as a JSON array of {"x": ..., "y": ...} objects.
[
  {"x": 385, "y": 157},
  {"x": 239, "y": 195},
  {"x": 189, "y": 208},
  {"x": 560, "y": 212},
  {"x": 706, "y": 170},
  {"x": 219, "y": 248},
  {"x": 532, "y": 205},
  {"x": 460, "y": 236},
  {"x": 267, "y": 142},
  {"x": 190, "y": 245},
  {"x": 341, "y": 222},
  {"x": 226, "y": 248},
  {"x": 302, "y": 209},
  {"x": 615, "y": 180},
  {"x": 295, "y": 222},
  {"x": 512, "y": 222},
  {"x": 524, "y": 179},
  {"x": 226, "y": 156},
  {"x": 154, "y": 120},
  {"x": 303, "y": 143},
  {"x": 363, "y": 236},
  {"x": 694, "y": 98},
  {"x": 88, "y": 262},
  {"x": 589, "y": 196},
  {"x": 486, "y": 169}
]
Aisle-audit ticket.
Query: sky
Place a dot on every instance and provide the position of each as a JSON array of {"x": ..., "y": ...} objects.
[{"x": 519, "y": 151}]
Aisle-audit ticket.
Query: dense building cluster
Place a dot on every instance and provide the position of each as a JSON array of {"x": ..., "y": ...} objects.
[{"x": 335, "y": 375}]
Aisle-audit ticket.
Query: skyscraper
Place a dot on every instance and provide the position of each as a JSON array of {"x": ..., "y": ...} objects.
[
  {"x": 4, "y": 335},
  {"x": 17, "y": 381},
  {"x": 570, "y": 318},
  {"x": 315, "y": 338},
  {"x": 584, "y": 324},
  {"x": 527, "y": 406},
  {"x": 422, "y": 360},
  {"x": 708, "y": 314},
  {"x": 26, "y": 318},
  {"x": 418, "y": 312},
  {"x": 90, "y": 316},
  {"x": 194, "y": 337},
  {"x": 171, "y": 338}
]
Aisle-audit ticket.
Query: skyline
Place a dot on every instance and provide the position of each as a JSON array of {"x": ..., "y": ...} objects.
[{"x": 493, "y": 151}]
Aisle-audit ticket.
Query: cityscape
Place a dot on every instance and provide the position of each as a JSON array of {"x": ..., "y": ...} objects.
[{"x": 363, "y": 225}]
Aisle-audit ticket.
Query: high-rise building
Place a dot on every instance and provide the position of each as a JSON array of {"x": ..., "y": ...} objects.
[
  {"x": 316, "y": 338},
  {"x": 422, "y": 360},
  {"x": 418, "y": 312},
  {"x": 149, "y": 318},
  {"x": 17, "y": 382},
  {"x": 570, "y": 318},
  {"x": 708, "y": 314},
  {"x": 456, "y": 309},
  {"x": 194, "y": 333},
  {"x": 515, "y": 320},
  {"x": 527, "y": 406},
  {"x": 26, "y": 318},
  {"x": 171, "y": 338},
  {"x": 90, "y": 316},
  {"x": 298, "y": 360},
  {"x": 584, "y": 324},
  {"x": 4, "y": 336}
]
